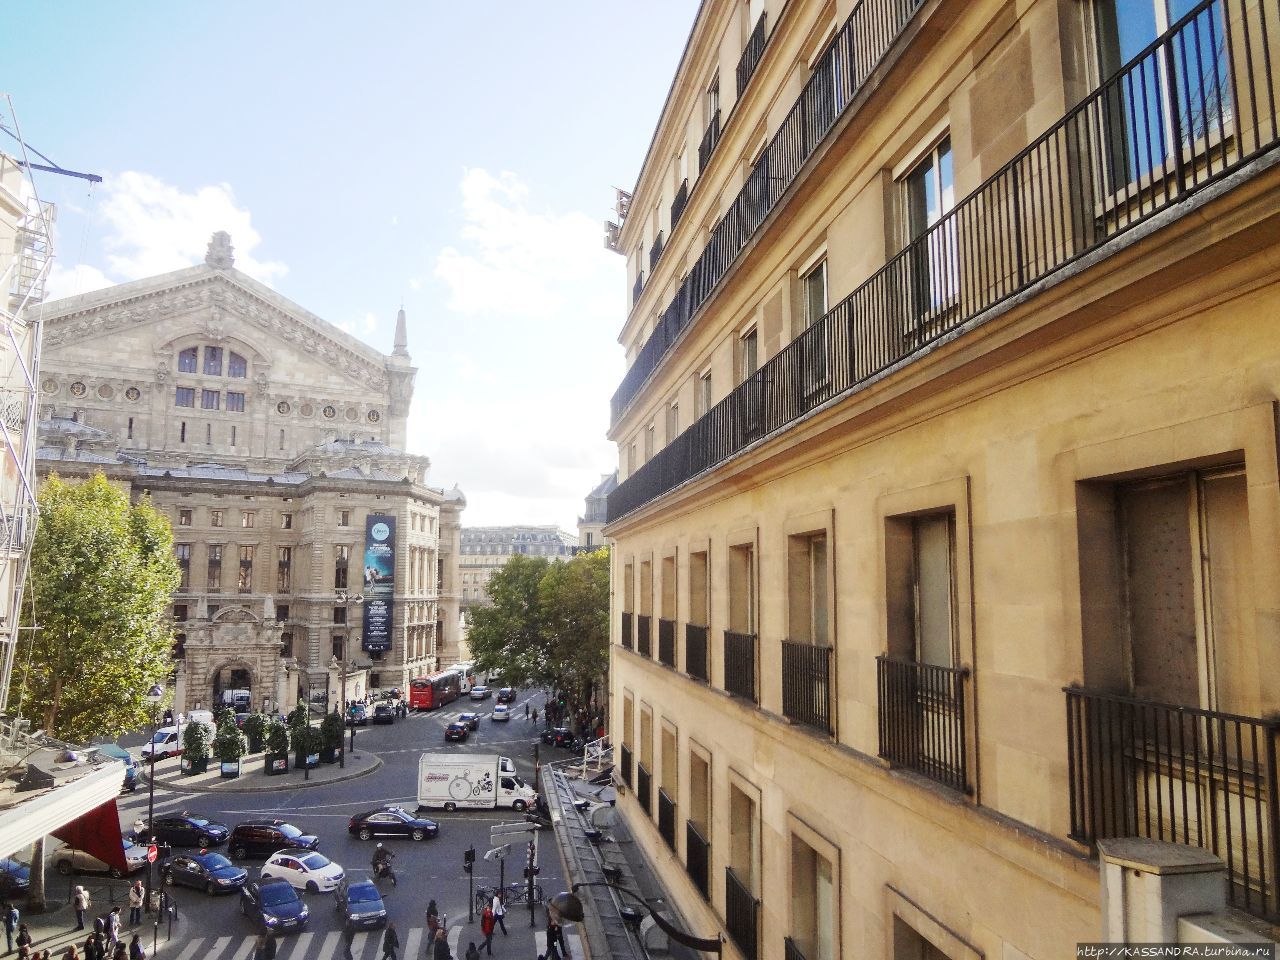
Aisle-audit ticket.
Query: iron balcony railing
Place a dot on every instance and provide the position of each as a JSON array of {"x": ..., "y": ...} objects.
[
  {"x": 679, "y": 203},
  {"x": 626, "y": 631},
  {"x": 695, "y": 652},
  {"x": 1138, "y": 768},
  {"x": 643, "y": 784},
  {"x": 838, "y": 75},
  {"x": 741, "y": 915},
  {"x": 922, "y": 719},
  {"x": 626, "y": 765},
  {"x": 751, "y": 55},
  {"x": 655, "y": 252},
  {"x": 667, "y": 818},
  {"x": 806, "y": 684},
  {"x": 643, "y": 645},
  {"x": 707, "y": 147},
  {"x": 697, "y": 858},
  {"x": 740, "y": 664},
  {"x": 1197, "y": 105},
  {"x": 791, "y": 951},
  {"x": 638, "y": 288},
  {"x": 667, "y": 642}
]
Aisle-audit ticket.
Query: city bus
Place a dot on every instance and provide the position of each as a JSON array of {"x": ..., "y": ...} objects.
[
  {"x": 466, "y": 676},
  {"x": 427, "y": 693}
]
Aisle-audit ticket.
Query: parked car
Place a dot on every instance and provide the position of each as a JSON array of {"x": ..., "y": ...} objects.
[
  {"x": 69, "y": 860},
  {"x": 116, "y": 752},
  {"x": 15, "y": 878},
  {"x": 384, "y": 713},
  {"x": 391, "y": 821},
  {"x": 359, "y": 902},
  {"x": 357, "y": 715},
  {"x": 304, "y": 869},
  {"x": 507, "y": 695},
  {"x": 480, "y": 693},
  {"x": 561, "y": 737},
  {"x": 472, "y": 720},
  {"x": 501, "y": 712},
  {"x": 456, "y": 731},
  {"x": 188, "y": 830},
  {"x": 275, "y": 905},
  {"x": 261, "y": 838},
  {"x": 210, "y": 872}
]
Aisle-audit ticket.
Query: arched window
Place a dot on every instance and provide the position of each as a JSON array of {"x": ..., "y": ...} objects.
[
  {"x": 187, "y": 360},
  {"x": 237, "y": 366},
  {"x": 213, "y": 361}
]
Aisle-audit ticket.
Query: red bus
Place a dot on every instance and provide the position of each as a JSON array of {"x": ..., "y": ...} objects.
[{"x": 427, "y": 693}]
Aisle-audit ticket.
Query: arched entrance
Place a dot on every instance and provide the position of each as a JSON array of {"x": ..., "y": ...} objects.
[{"x": 236, "y": 681}]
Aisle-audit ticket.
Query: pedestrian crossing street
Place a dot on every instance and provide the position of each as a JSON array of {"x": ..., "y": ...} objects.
[{"x": 366, "y": 946}]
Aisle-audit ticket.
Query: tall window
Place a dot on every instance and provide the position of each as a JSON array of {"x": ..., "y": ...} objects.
[
  {"x": 813, "y": 902},
  {"x": 213, "y": 361},
  {"x": 814, "y": 289},
  {"x": 215, "y": 518},
  {"x": 933, "y": 555},
  {"x": 235, "y": 402},
  {"x": 184, "y": 397},
  {"x": 244, "y": 580},
  {"x": 930, "y": 195},
  {"x": 248, "y": 518},
  {"x": 748, "y": 355},
  {"x": 184, "y": 518},
  {"x": 807, "y": 589},
  {"x": 673, "y": 422},
  {"x": 284, "y": 570},
  {"x": 183, "y": 552},
  {"x": 713, "y": 98},
  {"x": 342, "y": 554},
  {"x": 339, "y": 614},
  {"x": 286, "y": 521},
  {"x": 215, "y": 568},
  {"x": 649, "y": 432},
  {"x": 702, "y": 397},
  {"x": 753, "y": 384},
  {"x": 237, "y": 366},
  {"x": 209, "y": 399},
  {"x": 187, "y": 360},
  {"x": 344, "y": 518}
]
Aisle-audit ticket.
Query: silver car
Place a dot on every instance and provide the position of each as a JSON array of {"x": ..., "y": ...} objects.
[{"x": 68, "y": 860}]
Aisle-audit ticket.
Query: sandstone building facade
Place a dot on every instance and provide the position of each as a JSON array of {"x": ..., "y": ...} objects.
[
  {"x": 274, "y": 443},
  {"x": 944, "y": 538},
  {"x": 485, "y": 550}
]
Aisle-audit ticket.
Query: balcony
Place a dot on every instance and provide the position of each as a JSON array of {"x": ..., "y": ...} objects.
[
  {"x": 806, "y": 684},
  {"x": 741, "y": 915},
  {"x": 791, "y": 951},
  {"x": 625, "y": 763},
  {"x": 643, "y": 786},
  {"x": 638, "y": 288},
  {"x": 679, "y": 203},
  {"x": 667, "y": 643},
  {"x": 837, "y": 77},
  {"x": 626, "y": 631},
  {"x": 922, "y": 719},
  {"x": 667, "y": 818},
  {"x": 643, "y": 645},
  {"x": 695, "y": 652},
  {"x": 655, "y": 252},
  {"x": 697, "y": 854},
  {"x": 1083, "y": 183},
  {"x": 1136, "y": 768},
  {"x": 740, "y": 664},
  {"x": 709, "y": 141},
  {"x": 751, "y": 55}
]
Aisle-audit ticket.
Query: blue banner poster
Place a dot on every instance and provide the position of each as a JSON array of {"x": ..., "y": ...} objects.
[{"x": 379, "y": 581}]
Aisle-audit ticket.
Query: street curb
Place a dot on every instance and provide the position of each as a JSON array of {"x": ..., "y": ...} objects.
[{"x": 178, "y": 787}]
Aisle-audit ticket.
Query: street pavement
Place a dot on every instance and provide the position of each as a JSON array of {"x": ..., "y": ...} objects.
[{"x": 212, "y": 928}]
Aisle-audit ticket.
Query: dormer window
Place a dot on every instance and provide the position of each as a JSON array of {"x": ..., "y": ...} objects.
[
  {"x": 237, "y": 366},
  {"x": 187, "y": 360}
]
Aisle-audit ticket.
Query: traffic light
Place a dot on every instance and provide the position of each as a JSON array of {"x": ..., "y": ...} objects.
[{"x": 468, "y": 859}]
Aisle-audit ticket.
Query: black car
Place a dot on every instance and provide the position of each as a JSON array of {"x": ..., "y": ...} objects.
[
  {"x": 472, "y": 720},
  {"x": 456, "y": 731},
  {"x": 507, "y": 695},
  {"x": 210, "y": 872},
  {"x": 391, "y": 821},
  {"x": 261, "y": 838},
  {"x": 561, "y": 737},
  {"x": 357, "y": 715},
  {"x": 15, "y": 878},
  {"x": 189, "y": 830},
  {"x": 274, "y": 904},
  {"x": 384, "y": 713},
  {"x": 359, "y": 903}
]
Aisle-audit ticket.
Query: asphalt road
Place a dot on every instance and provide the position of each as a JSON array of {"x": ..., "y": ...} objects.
[{"x": 212, "y": 928}]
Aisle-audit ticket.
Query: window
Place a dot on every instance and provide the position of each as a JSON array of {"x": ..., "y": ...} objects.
[
  {"x": 248, "y": 518},
  {"x": 748, "y": 355},
  {"x": 215, "y": 569},
  {"x": 930, "y": 195},
  {"x": 213, "y": 361},
  {"x": 215, "y": 518},
  {"x": 286, "y": 521},
  {"x": 185, "y": 397},
  {"x": 813, "y": 286},
  {"x": 342, "y": 554},
  {"x": 339, "y": 614},
  {"x": 336, "y": 647},
  {"x": 180, "y": 613},
  {"x": 808, "y": 614},
  {"x": 282, "y": 612},
  {"x": 813, "y": 902},
  {"x": 184, "y": 518},
  {"x": 648, "y": 442},
  {"x": 212, "y": 610},
  {"x": 183, "y": 553},
  {"x": 344, "y": 518},
  {"x": 208, "y": 433},
  {"x": 237, "y": 366},
  {"x": 244, "y": 581},
  {"x": 235, "y": 402},
  {"x": 284, "y": 565},
  {"x": 233, "y": 434},
  {"x": 673, "y": 422},
  {"x": 129, "y": 434},
  {"x": 713, "y": 98},
  {"x": 182, "y": 432},
  {"x": 286, "y": 644},
  {"x": 209, "y": 399},
  {"x": 742, "y": 589},
  {"x": 187, "y": 360}
]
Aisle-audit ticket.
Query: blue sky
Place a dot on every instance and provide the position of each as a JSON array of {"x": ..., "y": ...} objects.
[{"x": 458, "y": 157}]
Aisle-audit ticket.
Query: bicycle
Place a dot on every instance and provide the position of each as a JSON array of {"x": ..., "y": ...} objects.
[{"x": 515, "y": 894}]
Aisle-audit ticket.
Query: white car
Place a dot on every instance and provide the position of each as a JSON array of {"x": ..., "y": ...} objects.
[
  {"x": 304, "y": 869},
  {"x": 501, "y": 712},
  {"x": 480, "y": 693},
  {"x": 69, "y": 860}
]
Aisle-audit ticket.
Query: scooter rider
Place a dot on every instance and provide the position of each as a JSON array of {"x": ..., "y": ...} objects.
[{"x": 382, "y": 858}]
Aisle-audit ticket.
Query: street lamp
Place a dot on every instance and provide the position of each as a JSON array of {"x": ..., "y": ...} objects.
[
  {"x": 345, "y": 600},
  {"x": 154, "y": 696},
  {"x": 568, "y": 905}
]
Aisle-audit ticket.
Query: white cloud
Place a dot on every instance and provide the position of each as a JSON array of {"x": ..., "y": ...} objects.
[
  {"x": 362, "y": 327},
  {"x": 69, "y": 281}
]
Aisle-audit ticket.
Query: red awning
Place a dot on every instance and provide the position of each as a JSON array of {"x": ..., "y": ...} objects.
[{"x": 97, "y": 833}]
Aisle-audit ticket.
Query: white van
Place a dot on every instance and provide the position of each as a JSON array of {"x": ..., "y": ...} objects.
[
  {"x": 460, "y": 781},
  {"x": 167, "y": 741}
]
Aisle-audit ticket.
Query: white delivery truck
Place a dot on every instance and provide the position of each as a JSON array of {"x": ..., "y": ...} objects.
[{"x": 460, "y": 781}]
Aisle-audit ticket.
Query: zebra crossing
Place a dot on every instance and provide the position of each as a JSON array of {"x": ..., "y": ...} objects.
[{"x": 367, "y": 945}]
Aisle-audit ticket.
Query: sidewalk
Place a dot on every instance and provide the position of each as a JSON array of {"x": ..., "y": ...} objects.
[
  {"x": 253, "y": 777},
  {"x": 54, "y": 929}
]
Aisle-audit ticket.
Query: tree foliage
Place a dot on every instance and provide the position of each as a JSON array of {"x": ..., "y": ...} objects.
[
  {"x": 547, "y": 624},
  {"x": 228, "y": 745},
  {"x": 96, "y": 632}
]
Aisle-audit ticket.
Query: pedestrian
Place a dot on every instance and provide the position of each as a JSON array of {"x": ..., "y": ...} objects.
[
  {"x": 390, "y": 942},
  {"x": 472, "y": 952},
  {"x": 136, "y": 897},
  {"x": 440, "y": 947},
  {"x": 81, "y": 903},
  {"x": 113, "y": 926},
  {"x": 499, "y": 911},
  {"x": 122, "y": 952},
  {"x": 348, "y": 935},
  {"x": 433, "y": 918},
  {"x": 486, "y": 927},
  {"x": 269, "y": 946},
  {"x": 47, "y": 954},
  {"x": 260, "y": 947},
  {"x": 136, "y": 950},
  {"x": 91, "y": 948},
  {"x": 526, "y": 711},
  {"x": 23, "y": 939},
  {"x": 554, "y": 939},
  {"x": 10, "y": 923},
  {"x": 535, "y": 716},
  {"x": 72, "y": 953}
]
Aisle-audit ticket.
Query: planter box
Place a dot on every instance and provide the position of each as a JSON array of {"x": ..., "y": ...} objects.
[
  {"x": 274, "y": 764},
  {"x": 330, "y": 754},
  {"x": 230, "y": 768},
  {"x": 306, "y": 761},
  {"x": 194, "y": 765}
]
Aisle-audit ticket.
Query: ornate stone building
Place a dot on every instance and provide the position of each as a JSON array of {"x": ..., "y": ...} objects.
[
  {"x": 485, "y": 550},
  {"x": 591, "y": 523},
  {"x": 273, "y": 441}
]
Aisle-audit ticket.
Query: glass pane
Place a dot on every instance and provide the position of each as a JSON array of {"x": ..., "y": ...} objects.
[{"x": 933, "y": 590}]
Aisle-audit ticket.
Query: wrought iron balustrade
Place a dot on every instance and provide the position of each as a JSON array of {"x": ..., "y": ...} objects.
[
  {"x": 741, "y": 915},
  {"x": 667, "y": 818},
  {"x": 643, "y": 786},
  {"x": 697, "y": 855},
  {"x": 740, "y": 664},
  {"x": 638, "y": 288},
  {"x": 655, "y": 252},
  {"x": 667, "y": 642},
  {"x": 710, "y": 139},
  {"x": 791, "y": 950},
  {"x": 695, "y": 652},
  {"x": 626, "y": 630},
  {"x": 679, "y": 203},
  {"x": 626, "y": 765},
  {"x": 643, "y": 645},
  {"x": 751, "y": 54},
  {"x": 922, "y": 719},
  {"x": 806, "y": 684}
]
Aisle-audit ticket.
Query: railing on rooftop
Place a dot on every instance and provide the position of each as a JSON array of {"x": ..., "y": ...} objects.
[
  {"x": 806, "y": 684},
  {"x": 838, "y": 74},
  {"x": 697, "y": 853},
  {"x": 1138, "y": 768},
  {"x": 667, "y": 642},
  {"x": 741, "y": 915},
  {"x": 679, "y": 203},
  {"x": 1136, "y": 146},
  {"x": 667, "y": 818},
  {"x": 695, "y": 652},
  {"x": 751, "y": 54},
  {"x": 643, "y": 645},
  {"x": 740, "y": 664}
]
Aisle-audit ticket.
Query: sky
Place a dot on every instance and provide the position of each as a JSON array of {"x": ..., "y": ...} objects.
[{"x": 457, "y": 157}]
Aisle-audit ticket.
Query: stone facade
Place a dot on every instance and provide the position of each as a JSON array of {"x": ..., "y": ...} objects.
[
  {"x": 485, "y": 550},
  {"x": 591, "y": 523},
  {"x": 268, "y": 437}
]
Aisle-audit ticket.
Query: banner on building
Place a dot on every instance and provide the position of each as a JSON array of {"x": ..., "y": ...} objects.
[{"x": 379, "y": 581}]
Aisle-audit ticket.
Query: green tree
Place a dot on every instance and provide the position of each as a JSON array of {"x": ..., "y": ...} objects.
[
  {"x": 96, "y": 631},
  {"x": 507, "y": 634},
  {"x": 228, "y": 745}
]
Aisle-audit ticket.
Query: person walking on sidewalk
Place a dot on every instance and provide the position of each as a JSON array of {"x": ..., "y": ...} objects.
[
  {"x": 348, "y": 935},
  {"x": 390, "y": 942},
  {"x": 136, "y": 949},
  {"x": 24, "y": 937},
  {"x": 136, "y": 897},
  {"x": 472, "y": 952},
  {"x": 10, "y": 923},
  {"x": 440, "y": 946},
  {"x": 499, "y": 911},
  {"x": 113, "y": 926},
  {"x": 486, "y": 927},
  {"x": 81, "y": 904}
]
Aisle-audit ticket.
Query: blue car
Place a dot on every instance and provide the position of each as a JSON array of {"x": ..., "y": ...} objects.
[
  {"x": 274, "y": 904},
  {"x": 359, "y": 903},
  {"x": 130, "y": 765}
]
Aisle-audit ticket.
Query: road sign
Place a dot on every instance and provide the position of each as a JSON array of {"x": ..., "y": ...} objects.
[
  {"x": 498, "y": 853},
  {"x": 152, "y": 853},
  {"x": 502, "y": 829},
  {"x": 521, "y": 837}
]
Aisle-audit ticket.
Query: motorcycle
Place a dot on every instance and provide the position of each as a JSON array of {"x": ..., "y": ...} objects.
[{"x": 382, "y": 871}]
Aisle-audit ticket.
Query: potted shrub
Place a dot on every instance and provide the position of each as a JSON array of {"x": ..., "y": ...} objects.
[
  {"x": 306, "y": 748},
  {"x": 228, "y": 745},
  {"x": 195, "y": 749},
  {"x": 299, "y": 719},
  {"x": 255, "y": 728},
  {"x": 276, "y": 759},
  {"x": 331, "y": 738}
]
